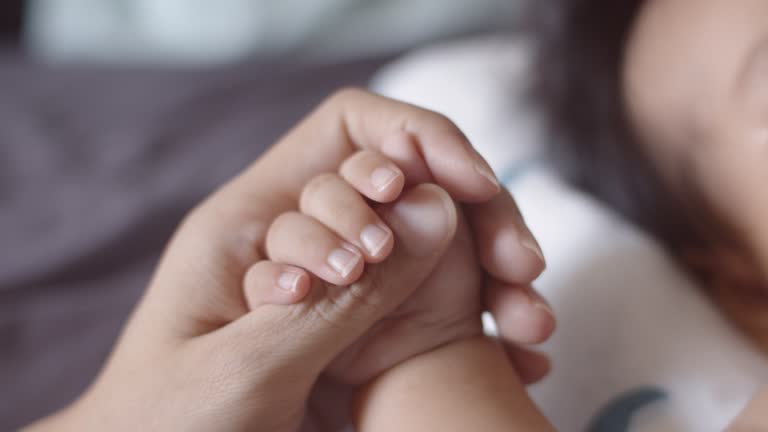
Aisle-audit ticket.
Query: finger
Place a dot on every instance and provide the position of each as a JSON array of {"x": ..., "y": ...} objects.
[
  {"x": 532, "y": 366},
  {"x": 331, "y": 318},
  {"x": 334, "y": 203},
  {"x": 507, "y": 249},
  {"x": 452, "y": 161},
  {"x": 302, "y": 241},
  {"x": 373, "y": 175},
  {"x": 521, "y": 314},
  {"x": 268, "y": 282},
  {"x": 353, "y": 120},
  {"x": 232, "y": 223},
  {"x": 227, "y": 232},
  {"x": 402, "y": 149}
]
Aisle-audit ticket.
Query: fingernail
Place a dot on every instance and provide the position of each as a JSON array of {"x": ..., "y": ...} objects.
[
  {"x": 374, "y": 238},
  {"x": 288, "y": 281},
  {"x": 424, "y": 218},
  {"x": 484, "y": 170},
  {"x": 343, "y": 261},
  {"x": 529, "y": 243},
  {"x": 382, "y": 178}
]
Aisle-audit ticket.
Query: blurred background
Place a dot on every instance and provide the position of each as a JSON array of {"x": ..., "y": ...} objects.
[{"x": 204, "y": 32}]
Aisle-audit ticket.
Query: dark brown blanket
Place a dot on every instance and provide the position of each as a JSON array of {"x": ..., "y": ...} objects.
[{"x": 97, "y": 166}]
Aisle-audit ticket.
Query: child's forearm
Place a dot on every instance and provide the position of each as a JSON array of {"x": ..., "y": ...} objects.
[{"x": 464, "y": 386}]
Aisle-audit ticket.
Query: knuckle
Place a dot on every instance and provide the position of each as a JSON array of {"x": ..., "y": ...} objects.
[
  {"x": 366, "y": 296},
  {"x": 370, "y": 294},
  {"x": 194, "y": 218},
  {"x": 282, "y": 223},
  {"x": 442, "y": 118},
  {"x": 237, "y": 237},
  {"x": 360, "y": 300},
  {"x": 330, "y": 312},
  {"x": 256, "y": 271},
  {"x": 352, "y": 163},
  {"x": 346, "y": 94},
  {"x": 319, "y": 183},
  {"x": 204, "y": 214},
  {"x": 444, "y": 122},
  {"x": 316, "y": 186}
]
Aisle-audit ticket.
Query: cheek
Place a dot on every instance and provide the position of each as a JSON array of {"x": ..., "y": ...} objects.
[
  {"x": 731, "y": 167},
  {"x": 733, "y": 156}
]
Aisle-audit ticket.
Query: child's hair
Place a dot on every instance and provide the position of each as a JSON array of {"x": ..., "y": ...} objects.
[{"x": 577, "y": 70}]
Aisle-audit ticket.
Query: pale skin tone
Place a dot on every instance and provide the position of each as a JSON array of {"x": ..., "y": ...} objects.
[
  {"x": 465, "y": 385},
  {"x": 187, "y": 359},
  {"x": 698, "y": 95},
  {"x": 456, "y": 371},
  {"x": 696, "y": 86},
  {"x": 695, "y": 82},
  {"x": 462, "y": 373},
  {"x": 269, "y": 298}
]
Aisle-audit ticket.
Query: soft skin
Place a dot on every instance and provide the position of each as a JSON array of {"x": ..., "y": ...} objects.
[
  {"x": 200, "y": 352},
  {"x": 696, "y": 87}
]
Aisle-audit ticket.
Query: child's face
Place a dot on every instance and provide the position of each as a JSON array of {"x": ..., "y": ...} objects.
[{"x": 696, "y": 84}]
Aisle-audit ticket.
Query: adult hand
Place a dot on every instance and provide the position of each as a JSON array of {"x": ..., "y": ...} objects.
[{"x": 194, "y": 356}]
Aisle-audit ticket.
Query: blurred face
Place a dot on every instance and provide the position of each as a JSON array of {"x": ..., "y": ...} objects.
[{"x": 696, "y": 84}]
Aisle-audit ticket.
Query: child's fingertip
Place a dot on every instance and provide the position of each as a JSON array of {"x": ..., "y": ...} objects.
[
  {"x": 294, "y": 284},
  {"x": 385, "y": 178},
  {"x": 267, "y": 282},
  {"x": 378, "y": 240},
  {"x": 373, "y": 175}
]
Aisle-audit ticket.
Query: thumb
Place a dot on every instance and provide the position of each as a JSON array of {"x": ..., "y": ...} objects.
[{"x": 312, "y": 333}]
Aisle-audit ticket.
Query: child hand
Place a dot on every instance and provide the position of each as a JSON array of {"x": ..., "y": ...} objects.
[
  {"x": 335, "y": 212},
  {"x": 335, "y": 232}
]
